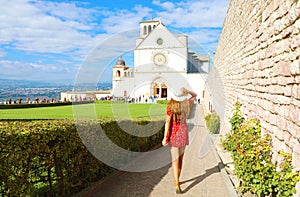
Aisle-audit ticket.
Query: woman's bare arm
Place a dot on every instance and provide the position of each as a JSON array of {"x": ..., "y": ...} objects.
[
  {"x": 186, "y": 91},
  {"x": 167, "y": 125}
]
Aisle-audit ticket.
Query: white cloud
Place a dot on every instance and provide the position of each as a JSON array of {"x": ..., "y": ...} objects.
[
  {"x": 207, "y": 38},
  {"x": 51, "y": 27},
  {"x": 205, "y": 35},
  {"x": 124, "y": 20},
  {"x": 74, "y": 30},
  {"x": 46, "y": 27},
  {"x": 201, "y": 13},
  {"x": 202, "y": 20},
  {"x": 166, "y": 5},
  {"x": 68, "y": 11},
  {"x": 42, "y": 72},
  {"x": 97, "y": 65}
]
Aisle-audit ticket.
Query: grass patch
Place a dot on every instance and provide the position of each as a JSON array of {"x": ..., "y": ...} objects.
[{"x": 119, "y": 110}]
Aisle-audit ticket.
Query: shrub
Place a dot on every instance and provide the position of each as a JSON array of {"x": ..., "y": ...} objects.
[
  {"x": 164, "y": 102},
  {"x": 252, "y": 155},
  {"x": 48, "y": 158},
  {"x": 213, "y": 122}
]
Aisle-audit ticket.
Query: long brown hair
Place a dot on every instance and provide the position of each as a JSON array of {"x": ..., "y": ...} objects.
[{"x": 180, "y": 110}]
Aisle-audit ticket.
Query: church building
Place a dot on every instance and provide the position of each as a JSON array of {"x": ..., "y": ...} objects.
[{"x": 163, "y": 63}]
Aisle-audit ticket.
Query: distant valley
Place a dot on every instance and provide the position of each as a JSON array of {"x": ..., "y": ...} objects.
[{"x": 16, "y": 89}]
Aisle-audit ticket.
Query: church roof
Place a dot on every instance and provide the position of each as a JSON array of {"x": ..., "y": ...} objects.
[{"x": 160, "y": 31}]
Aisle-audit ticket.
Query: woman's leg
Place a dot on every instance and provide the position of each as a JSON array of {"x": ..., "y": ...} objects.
[
  {"x": 175, "y": 169},
  {"x": 176, "y": 166},
  {"x": 180, "y": 159}
]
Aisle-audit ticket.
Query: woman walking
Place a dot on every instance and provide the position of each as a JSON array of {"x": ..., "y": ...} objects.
[{"x": 176, "y": 132}]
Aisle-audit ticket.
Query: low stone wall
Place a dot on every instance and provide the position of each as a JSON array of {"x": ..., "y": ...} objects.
[{"x": 258, "y": 60}]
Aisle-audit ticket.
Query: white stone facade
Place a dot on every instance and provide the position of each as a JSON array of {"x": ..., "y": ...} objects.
[
  {"x": 162, "y": 65},
  {"x": 84, "y": 96}
]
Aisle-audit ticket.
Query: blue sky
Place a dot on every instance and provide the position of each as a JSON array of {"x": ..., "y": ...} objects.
[{"x": 49, "y": 40}]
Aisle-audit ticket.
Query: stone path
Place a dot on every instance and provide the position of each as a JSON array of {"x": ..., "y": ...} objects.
[{"x": 203, "y": 173}]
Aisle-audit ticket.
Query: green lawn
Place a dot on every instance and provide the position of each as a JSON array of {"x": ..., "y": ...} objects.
[{"x": 98, "y": 110}]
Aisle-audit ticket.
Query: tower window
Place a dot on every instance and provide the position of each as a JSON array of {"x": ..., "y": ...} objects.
[
  {"x": 118, "y": 73},
  {"x": 145, "y": 30},
  {"x": 149, "y": 29}
]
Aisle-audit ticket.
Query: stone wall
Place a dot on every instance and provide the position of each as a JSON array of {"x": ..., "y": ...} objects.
[{"x": 258, "y": 60}]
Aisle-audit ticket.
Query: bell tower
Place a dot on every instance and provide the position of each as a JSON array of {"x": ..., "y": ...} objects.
[
  {"x": 147, "y": 26},
  {"x": 121, "y": 72}
]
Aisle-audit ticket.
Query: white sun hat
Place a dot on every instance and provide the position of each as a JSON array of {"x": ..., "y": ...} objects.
[{"x": 181, "y": 97}]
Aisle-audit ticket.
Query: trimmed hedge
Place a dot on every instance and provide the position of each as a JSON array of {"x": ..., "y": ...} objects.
[
  {"x": 48, "y": 158},
  {"x": 162, "y": 101}
]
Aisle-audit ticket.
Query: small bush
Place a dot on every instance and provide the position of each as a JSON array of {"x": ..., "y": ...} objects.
[
  {"x": 213, "y": 122},
  {"x": 162, "y": 101}
]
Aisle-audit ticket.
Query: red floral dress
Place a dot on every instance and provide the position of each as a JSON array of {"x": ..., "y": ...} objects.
[{"x": 178, "y": 137}]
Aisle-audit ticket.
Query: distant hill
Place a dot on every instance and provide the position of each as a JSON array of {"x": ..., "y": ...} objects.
[
  {"x": 14, "y": 84},
  {"x": 24, "y": 89},
  {"x": 11, "y": 84}
]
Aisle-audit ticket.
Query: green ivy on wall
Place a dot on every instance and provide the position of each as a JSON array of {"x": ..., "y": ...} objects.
[{"x": 252, "y": 154}]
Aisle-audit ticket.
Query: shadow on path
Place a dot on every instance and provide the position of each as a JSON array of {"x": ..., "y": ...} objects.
[{"x": 198, "y": 179}]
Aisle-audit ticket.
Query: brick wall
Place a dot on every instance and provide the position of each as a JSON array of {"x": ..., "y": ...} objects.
[{"x": 258, "y": 60}]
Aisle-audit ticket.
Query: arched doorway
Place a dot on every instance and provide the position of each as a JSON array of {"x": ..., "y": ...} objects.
[{"x": 158, "y": 88}]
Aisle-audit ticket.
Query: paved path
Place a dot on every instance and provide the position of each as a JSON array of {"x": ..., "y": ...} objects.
[{"x": 203, "y": 174}]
